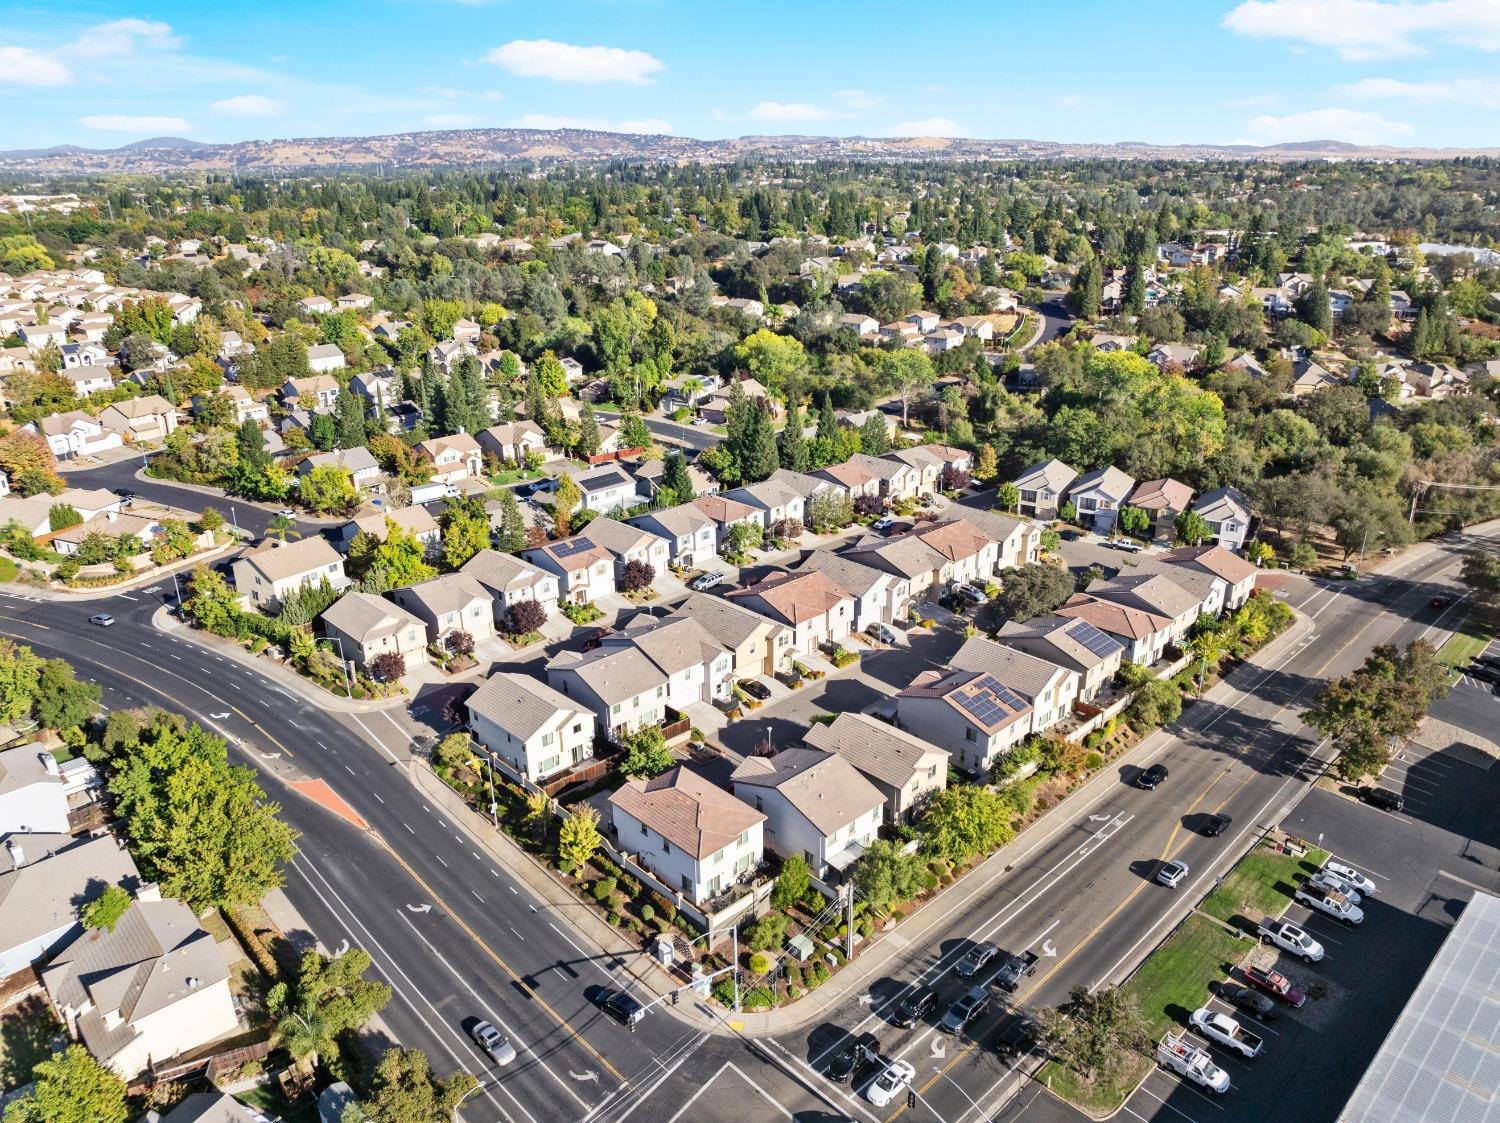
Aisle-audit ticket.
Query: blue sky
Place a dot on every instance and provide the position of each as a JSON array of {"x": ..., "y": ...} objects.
[{"x": 1412, "y": 72}]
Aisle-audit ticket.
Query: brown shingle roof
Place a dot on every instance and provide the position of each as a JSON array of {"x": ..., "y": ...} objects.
[
  {"x": 1217, "y": 560},
  {"x": 827, "y": 790},
  {"x": 796, "y": 597},
  {"x": 688, "y": 810},
  {"x": 1114, "y": 619}
]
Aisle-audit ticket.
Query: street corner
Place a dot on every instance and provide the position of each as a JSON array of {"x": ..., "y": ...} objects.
[{"x": 322, "y": 794}]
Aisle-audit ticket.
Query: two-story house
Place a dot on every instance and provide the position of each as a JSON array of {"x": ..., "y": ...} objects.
[
  {"x": 511, "y": 442},
  {"x": 363, "y": 626},
  {"x": 1097, "y": 496},
  {"x": 1042, "y": 487},
  {"x": 810, "y": 603},
  {"x": 972, "y": 715},
  {"x": 1050, "y": 689},
  {"x": 906, "y": 770},
  {"x": 852, "y": 478},
  {"x": 608, "y": 489},
  {"x": 880, "y": 597},
  {"x": 364, "y": 470},
  {"x": 148, "y": 418},
  {"x": 509, "y": 580},
  {"x": 1154, "y": 593},
  {"x": 585, "y": 570},
  {"x": 74, "y": 434},
  {"x": 694, "y": 837},
  {"x": 1237, "y": 573},
  {"x": 45, "y": 880},
  {"x": 1227, "y": 512},
  {"x": 535, "y": 730},
  {"x": 726, "y": 514},
  {"x": 692, "y": 537},
  {"x": 454, "y": 602},
  {"x": 316, "y": 392},
  {"x": 267, "y": 572},
  {"x": 626, "y": 543},
  {"x": 1163, "y": 501},
  {"x": 697, "y": 666},
  {"x": 1144, "y": 634},
  {"x": 1068, "y": 642},
  {"x": 415, "y": 520},
  {"x": 775, "y": 501},
  {"x": 325, "y": 357},
  {"x": 932, "y": 557},
  {"x": 623, "y": 688},
  {"x": 817, "y": 806},
  {"x": 453, "y": 459},
  {"x": 757, "y": 645}
]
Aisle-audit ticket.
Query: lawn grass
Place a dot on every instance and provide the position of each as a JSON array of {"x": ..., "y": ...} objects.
[
  {"x": 1174, "y": 981},
  {"x": 515, "y": 476},
  {"x": 9, "y": 570},
  {"x": 1472, "y": 637},
  {"x": 1262, "y": 884},
  {"x": 1103, "y": 1097}
]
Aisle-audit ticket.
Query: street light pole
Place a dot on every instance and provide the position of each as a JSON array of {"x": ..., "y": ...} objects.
[
  {"x": 344, "y": 666},
  {"x": 734, "y": 964},
  {"x": 494, "y": 812}
]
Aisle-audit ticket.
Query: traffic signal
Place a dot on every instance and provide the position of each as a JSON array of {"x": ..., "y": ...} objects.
[
  {"x": 911, "y": 1097},
  {"x": 674, "y": 997}
]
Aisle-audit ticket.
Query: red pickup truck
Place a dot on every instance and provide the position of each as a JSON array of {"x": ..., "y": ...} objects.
[{"x": 1277, "y": 985}]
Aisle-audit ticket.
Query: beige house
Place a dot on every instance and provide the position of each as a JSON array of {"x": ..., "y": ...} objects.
[
  {"x": 415, "y": 520},
  {"x": 758, "y": 646},
  {"x": 511, "y": 442},
  {"x": 905, "y": 769},
  {"x": 152, "y": 989},
  {"x": 454, "y": 602},
  {"x": 1049, "y": 689},
  {"x": 933, "y": 557},
  {"x": 318, "y": 391},
  {"x": 809, "y": 603},
  {"x": 971, "y": 714},
  {"x": 454, "y": 458},
  {"x": 147, "y": 418},
  {"x": 535, "y": 730},
  {"x": 1069, "y": 642},
  {"x": 585, "y": 570},
  {"x": 817, "y": 806},
  {"x": 627, "y": 543},
  {"x": 1232, "y": 569},
  {"x": 272, "y": 569},
  {"x": 364, "y": 626},
  {"x": 1042, "y": 487},
  {"x": 509, "y": 581}
]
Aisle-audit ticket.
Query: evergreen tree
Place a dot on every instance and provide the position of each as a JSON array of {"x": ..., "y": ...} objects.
[
  {"x": 760, "y": 458},
  {"x": 676, "y": 478},
  {"x": 1314, "y": 308},
  {"x": 739, "y": 420},
  {"x": 1135, "y": 291},
  {"x": 512, "y": 533},
  {"x": 1088, "y": 290},
  {"x": 588, "y": 433},
  {"x": 794, "y": 451},
  {"x": 875, "y": 435},
  {"x": 349, "y": 418}
]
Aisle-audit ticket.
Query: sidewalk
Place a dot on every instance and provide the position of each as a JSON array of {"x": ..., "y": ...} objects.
[
  {"x": 161, "y": 576},
  {"x": 163, "y": 621}
]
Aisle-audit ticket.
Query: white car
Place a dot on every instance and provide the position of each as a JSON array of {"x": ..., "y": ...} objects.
[
  {"x": 1350, "y": 876},
  {"x": 1171, "y": 873},
  {"x": 884, "y": 522},
  {"x": 893, "y": 1080},
  {"x": 1289, "y": 938},
  {"x": 1326, "y": 879}
]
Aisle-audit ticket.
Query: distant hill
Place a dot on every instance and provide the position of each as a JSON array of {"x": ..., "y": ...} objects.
[{"x": 465, "y": 147}]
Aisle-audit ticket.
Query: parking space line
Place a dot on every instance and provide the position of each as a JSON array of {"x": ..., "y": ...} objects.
[
  {"x": 1233, "y": 1012},
  {"x": 1175, "y": 1084}
]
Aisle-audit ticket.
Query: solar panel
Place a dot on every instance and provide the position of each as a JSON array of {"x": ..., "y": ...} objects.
[
  {"x": 1002, "y": 692},
  {"x": 568, "y": 547},
  {"x": 1093, "y": 639}
]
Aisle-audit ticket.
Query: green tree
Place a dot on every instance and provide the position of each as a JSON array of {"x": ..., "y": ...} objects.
[
  {"x": 794, "y": 451},
  {"x": 330, "y": 999},
  {"x": 210, "y": 520},
  {"x": 550, "y": 377},
  {"x": 71, "y": 1087},
  {"x": 646, "y": 753},
  {"x": 327, "y": 488},
  {"x": 511, "y": 536},
  {"x": 588, "y": 433},
  {"x": 773, "y": 360},
  {"x": 1096, "y": 1033},
  {"x": 1192, "y": 528},
  {"x": 283, "y": 527},
  {"x": 578, "y": 838},
  {"x": 760, "y": 457},
  {"x": 1027, "y": 591},
  {"x": 792, "y": 883},
  {"x": 963, "y": 821},
  {"x": 565, "y": 500},
  {"x": 907, "y": 373},
  {"x": 1157, "y": 703},
  {"x": 61, "y": 516},
  {"x": 405, "y": 1090},
  {"x": 1481, "y": 573},
  {"x": 20, "y": 680},
  {"x": 64, "y": 701},
  {"x": 829, "y": 511},
  {"x": 105, "y": 910},
  {"x": 466, "y": 530},
  {"x": 1384, "y": 700},
  {"x": 887, "y": 875},
  {"x": 676, "y": 478},
  {"x": 987, "y": 465},
  {"x": 397, "y": 561},
  {"x": 1133, "y": 520},
  {"x": 875, "y": 435},
  {"x": 1007, "y": 497}
]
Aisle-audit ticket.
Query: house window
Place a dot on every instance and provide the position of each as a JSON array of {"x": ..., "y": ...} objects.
[
  {"x": 659, "y": 691},
  {"x": 615, "y": 708},
  {"x": 546, "y": 739},
  {"x": 969, "y": 734},
  {"x": 743, "y": 839},
  {"x": 645, "y": 829},
  {"x": 666, "y": 847}
]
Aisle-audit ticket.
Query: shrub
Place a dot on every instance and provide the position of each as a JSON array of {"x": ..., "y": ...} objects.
[
  {"x": 389, "y": 665},
  {"x": 461, "y": 643},
  {"x": 769, "y": 932},
  {"x": 1093, "y": 761},
  {"x": 604, "y": 888},
  {"x": 929, "y": 881},
  {"x": 760, "y": 963},
  {"x": 648, "y": 912},
  {"x": 613, "y": 919},
  {"x": 524, "y": 617}
]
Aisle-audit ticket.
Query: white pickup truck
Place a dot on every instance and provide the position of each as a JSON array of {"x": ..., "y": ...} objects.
[
  {"x": 1187, "y": 1060},
  {"x": 1330, "y": 902},
  {"x": 1289, "y": 938},
  {"x": 1226, "y": 1031}
]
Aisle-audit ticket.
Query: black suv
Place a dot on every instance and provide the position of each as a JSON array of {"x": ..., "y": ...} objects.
[
  {"x": 915, "y": 1006},
  {"x": 1383, "y": 798},
  {"x": 853, "y": 1055},
  {"x": 1214, "y": 825},
  {"x": 622, "y": 1008},
  {"x": 1151, "y": 777}
]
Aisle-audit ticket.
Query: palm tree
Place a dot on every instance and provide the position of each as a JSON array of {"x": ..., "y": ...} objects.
[
  {"x": 283, "y": 526},
  {"x": 1210, "y": 645}
]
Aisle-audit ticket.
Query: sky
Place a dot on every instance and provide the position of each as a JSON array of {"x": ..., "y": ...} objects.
[{"x": 1405, "y": 72}]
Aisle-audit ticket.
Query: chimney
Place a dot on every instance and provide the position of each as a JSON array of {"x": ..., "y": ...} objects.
[
  {"x": 49, "y": 762},
  {"x": 17, "y": 855}
]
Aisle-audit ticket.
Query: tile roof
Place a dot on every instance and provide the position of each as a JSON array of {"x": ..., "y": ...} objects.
[
  {"x": 688, "y": 810},
  {"x": 724, "y": 510},
  {"x": 1114, "y": 619},
  {"x": 848, "y": 475},
  {"x": 519, "y": 704},
  {"x": 877, "y": 748},
  {"x": 796, "y": 597},
  {"x": 1161, "y": 495},
  {"x": 365, "y": 617},
  {"x": 827, "y": 790}
]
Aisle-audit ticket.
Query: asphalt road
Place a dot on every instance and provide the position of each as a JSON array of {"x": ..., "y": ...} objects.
[
  {"x": 696, "y": 438},
  {"x": 1079, "y": 890}
]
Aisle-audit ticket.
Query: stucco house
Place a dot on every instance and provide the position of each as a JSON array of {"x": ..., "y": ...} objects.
[
  {"x": 906, "y": 770},
  {"x": 1155, "y": 593},
  {"x": 626, "y": 543},
  {"x": 1227, "y": 512},
  {"x": 454, "y": 458},
  {"x": 363, "y": 626},
  {"x": 1162, "y": 500},
  {"x": 415, "y": 520},
  {"x": 726, "y": 514},
  {"x": 271, "y": 569},
  {"x": 695, "y": 837},
  {"x": 1042, "y": 487},
  {"x": 817, "y": 806},
  {"x": 972, "y": 715},
  {"x": 32, "y": 795},
  {"x": 1097, "y": 496},
  {"x": 1069, "y": 642},
  {"x": 73, "y": 434},
  {"x": 535, "y": 730},
  {"x": 932, "y": 557},
  {"x": 318, "y": 391},
  {"x": 692, "y": 537},
  {"x": 325, "y": 357},
  {"x": 509, "y": 581},
  {"x": 1237, "y": 573},
  {"x": 775, "y": 501},
  {"x": 608, "y": 489},
  {"x": 696, "y": 666},
  {"x": 1049, "y": 688},
  {"x": 880, "y": 597},
  {"x": 364, "y": 470},
  {"x": 147, "y": 418},
  {"x": 810, "y": 603},
  {"x": 454, "y": 602},
  {"x": 585, "y": 570},
  {"x": 1144, "y": 633},
  {"x": 512, "y": 441},
  {"x": 756, "y": 645}
]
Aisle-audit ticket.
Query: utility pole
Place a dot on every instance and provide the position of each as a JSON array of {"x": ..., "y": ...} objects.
[
  {"x": 734, "y": 963},
  {"x": 849, "y": 937},
  {"x": 494, "y": 808}
]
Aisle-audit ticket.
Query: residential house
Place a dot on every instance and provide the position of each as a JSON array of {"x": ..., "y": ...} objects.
[
  {"x": 880, "y": 597},
  {"x": 688, "y": 390},
  {"x": 970, "y": 714},
  {"x": 1308, "y": 378},
  {"x": 1145, "y": 634},
  {"x": 1237, "y": 574},
  {"x": 1227, "y": 512},
  {"x": 861, "y": 325},
  {"x": 726, "y": 514},
  {"x": 923, "y": 321},
  {"x": 775, "y": 501},
  {"x": 454, "y": 458},
  {"x": 88, "y": 380},
  {"x": 898, "y": 480},
  {"x": 318, "y": 391},
  {"x": 608, "y": 489},
  {"x": 906, "y": 770},
  {"x": 535, "y": 730},
  {"x": 1188, "y": 356},
  {"x": 511, "y": 442},
  {"x": 852, "y": 478},
  {"x": 466, "y": 331},
  {"x": 114, "y": 526},
  {"x": 33, "y": 513},
  {"x": 147, "y": 418},
  {"x": 1042, "y": 487},
  {"x": 74, "y": 434},
  {"x": 316, "y": 305},
  {"x": 817, "y": 806},
  {"x": 354, "y": 301},
  {"x": 509, "y": 580},
  {"x": 715, "y": 408},
  {"x": 800, "y": 483},
  {"x": 623, "y": 688},
  {"x": 324, "y": 357},
  {"x": 1069, "y": 642},
  {"x": 33, "y": 799},
  {"x": 454, "y": 602},
  {"x": 626, "y": 544},
  {"x": 927, "y": 466},
  {"x": 379, "y": 387},
  {"x": 246, "y": 407},
  {"x": 270, "y": 570},
  {"x": 87, "y": 354},
  {"x": 691, "y": 536},
  {"x": 145, "y": 992},
  {"x": 45, "y": 880},
  {"x": 585, "y": 570},
  {"x": 1106, "y": 343},
  {"x": 211, "y": 1107},
  {"x": 1050, "y": 689},
  {"x": 816, "y": 609},
  {"x": 1163, "y": 501},
  {"x": 363, "y": 626},
  {"x": 1019, "y": 541},
  {"x": 933, "y": 557},
  {"x": 697, "y": 666},
  {"x": 756, "y": 645},
  {"x": 38, "y": 337},
  {"x": 1097, "y": 496},
  {"x": 694, "y": 837},
  {"x": 1155, "y": 593},
  {"x": 364, "y": 471},
  {"x": 415, "y": 520}
]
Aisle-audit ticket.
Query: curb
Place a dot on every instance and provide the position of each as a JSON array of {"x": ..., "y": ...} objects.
[{"x": 133, "y": 584}]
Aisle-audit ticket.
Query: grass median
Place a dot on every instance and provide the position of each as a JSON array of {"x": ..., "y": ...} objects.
[{"x": 1472, "y": 637}]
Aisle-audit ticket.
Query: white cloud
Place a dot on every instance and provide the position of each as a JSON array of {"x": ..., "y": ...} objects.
[
  {"x": 123, "y": 123},
  {"x": 1070, "y": 101},
  {"x": 858, "y": 99},
  {"x": 124, "y": 37},
  {"x": 450, "y": 120},
  {"x": 249, "y": 105},
  {"x": 931, "y": 126},
  {"x": 1356, "y": 126},
  {"x": 21, "y": 66},
  {"x": 1483, "y": 92},
  {"x": 551, "y": 121},
  {"x": 787, "y": 111},
  {"x": 651, "y": 125},
  {"x": 1370, "y": 29},
  {"x": 1254, "y": 101},
  {"x": 568, "y": 62}
]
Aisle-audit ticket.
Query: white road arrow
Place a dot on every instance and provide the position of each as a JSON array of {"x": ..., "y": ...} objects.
[
  {"x": 866, "y": 999},
  {"x": 938, "y": 1049},
  {"x": 219, "y": 717},
  {"x": 343, "y": 947},
  {"x": 418, "y": 908},
  {"x": 584, "y": 1077},
  {"x": 1100, "y": 818},
  {"x": 1048, "y": 950},
  {"x": 270, "y": 756}
]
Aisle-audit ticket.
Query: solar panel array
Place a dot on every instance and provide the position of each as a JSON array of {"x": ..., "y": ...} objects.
[
  {"x": 982, "y": 700},
  {"x": 568, "y": 547},
  {"x": 1092, "y": 638}
]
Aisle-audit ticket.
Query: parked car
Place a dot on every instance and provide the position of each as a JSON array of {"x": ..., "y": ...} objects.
[
  {"x": 1215, "y": 825},
  {"x": 894, "y": 1080},
  {"x": 757, "y": 690},
  {"x": 973, "y": 594},
  {"x": 1151, "y": 777},
  {"x": 493, "y": 1042},
  {"x": 286, "y": 513},
  {"x": 1171, "y": 873},
  {"x": 969, "y": 1006},
  {"x": 1226, "y": 1031},
  {"x": 881, "y": 633},
  {"x": 914, "y": 1006},
  {"x": 1483, "y": 672},
  {"x": 1277, "y": 985},
  {"x": 1383, "y": 798},
  {"x": 102, "y": 619},
  {"x": 622, "y": 1008},
  {"x": 1290, "y": 938},
  {"x": 1330, "y": 902},
  {"x": 1127, "y": 545},
  {"x": 705, "y": 581},
  {"x": 1192, "y": 1063},
  {"x": 883, "y": 523},
  {"x": 1333, "y": 883},
  {"x": 974, "y": 960},
  {"x": 1014, "y": 969},
  {"x": 1349, "y": 875},
  {"x": 1252, "y": 1002},
  {"x": 852, "y": 1055}
]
